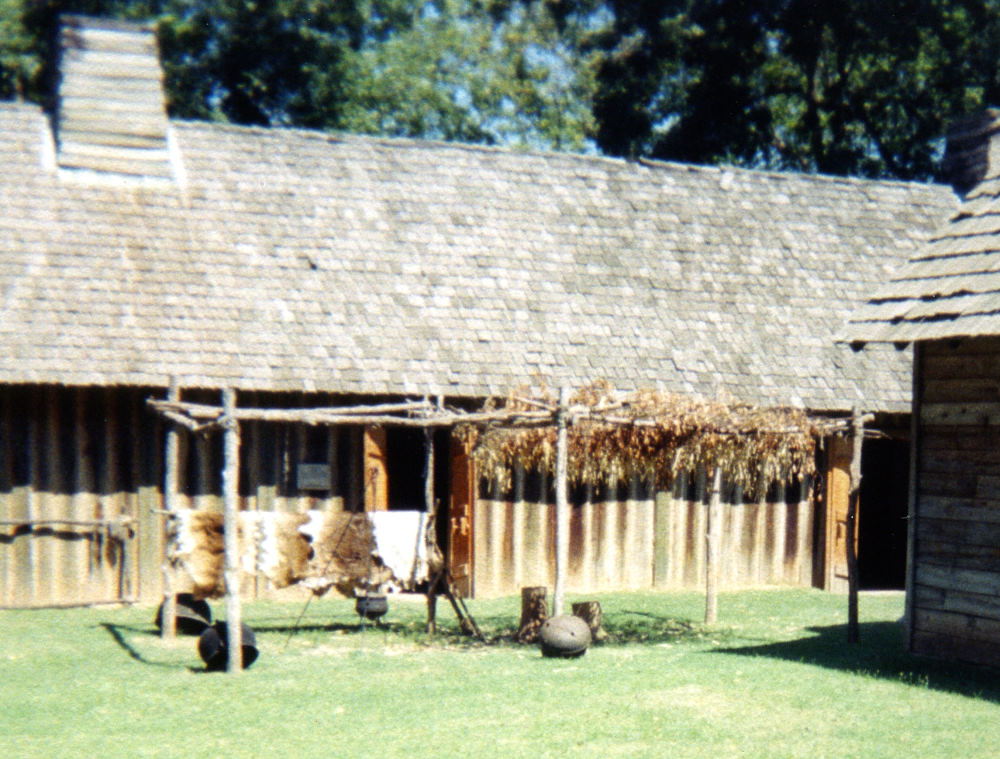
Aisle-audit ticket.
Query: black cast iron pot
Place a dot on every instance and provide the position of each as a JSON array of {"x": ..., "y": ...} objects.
[
  {"x": 213, "y": 647},
  {"x": 371, "y": 607},
  {"x": 193, "y": 615}
]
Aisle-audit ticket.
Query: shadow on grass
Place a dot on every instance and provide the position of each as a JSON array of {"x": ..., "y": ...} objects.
[
  {"x": 625, "y": 627},
  {"x": 117, "y": 633},
  {"x": 630, "y": 627},
  {"x": 880, "y": 654}
]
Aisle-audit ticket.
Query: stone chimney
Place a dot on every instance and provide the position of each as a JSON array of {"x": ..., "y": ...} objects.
[
  {"x": 972, "y": 152},
  {"x": 111, "y": 115}
]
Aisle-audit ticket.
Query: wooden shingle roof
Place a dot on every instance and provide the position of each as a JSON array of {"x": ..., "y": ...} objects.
[
  {"x": 951, "y": 286},
  {"x": 295, "y": 260}
]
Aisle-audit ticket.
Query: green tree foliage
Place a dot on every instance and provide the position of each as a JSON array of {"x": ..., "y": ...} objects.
[
  {"x": 265, "y": 62},
  {"x": 19, "y": 61},
  {"x": 28, "y": 37},
  {"x": 863, "y": 87},
  {"x": 494, "y": 71},
  {"x": 475, "y": 70}
]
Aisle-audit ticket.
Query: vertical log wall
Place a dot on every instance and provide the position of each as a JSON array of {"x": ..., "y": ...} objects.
[
  {"x": 954, "y": 589},
  {"x": 81, "y": 487},
  {"x": 76, "y": 495},
  {"x": 94, "y": 456},
  {"x": 629, "y": 538}
]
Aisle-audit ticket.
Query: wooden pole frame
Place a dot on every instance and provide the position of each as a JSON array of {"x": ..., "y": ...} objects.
[
  {"x": 231, "y": 562},
  {"x": 202, "y": 418},
  {"x": 857, "y": 440},
  {"x": 562, "y": 504},
  {"x": 713, "y": 535},
  {"x": 171, "y": 488}
]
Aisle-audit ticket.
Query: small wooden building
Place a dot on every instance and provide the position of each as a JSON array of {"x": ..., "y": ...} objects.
[
  {"x": 308, "y": 269},
  {"x": 946, "y": 302}
]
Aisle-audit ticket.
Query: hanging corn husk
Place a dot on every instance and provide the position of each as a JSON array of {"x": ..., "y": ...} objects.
[{"x": 654, "y": 436}]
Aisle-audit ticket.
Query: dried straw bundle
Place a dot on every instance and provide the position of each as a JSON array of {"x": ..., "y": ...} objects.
[{"x": 655, "y": 436}]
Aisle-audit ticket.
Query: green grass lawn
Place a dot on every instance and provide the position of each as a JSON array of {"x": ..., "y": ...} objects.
[{"x": 775, "y": 678}]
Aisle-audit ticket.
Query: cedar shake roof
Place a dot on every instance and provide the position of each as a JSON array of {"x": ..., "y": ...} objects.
[
  {"x": 951, "y": 287},
  {"x": 302, "y": 261}
]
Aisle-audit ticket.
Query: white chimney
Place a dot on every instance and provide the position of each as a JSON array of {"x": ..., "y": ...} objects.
[{"x": 111, "y": 116}]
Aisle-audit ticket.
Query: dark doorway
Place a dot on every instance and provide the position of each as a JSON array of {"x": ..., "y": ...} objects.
[
  {"x": 406, "y": 463},
  {"x": 885, "y": 466}
]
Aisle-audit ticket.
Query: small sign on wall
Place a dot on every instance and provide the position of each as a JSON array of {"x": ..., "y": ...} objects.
[{"x": 313, "y": 476}]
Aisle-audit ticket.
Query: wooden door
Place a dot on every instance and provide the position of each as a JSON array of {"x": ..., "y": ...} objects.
[
  {"x": 460, "y": 508},
  {"x": 838, "y": 490},
  {"x": 376, "y": 474}
]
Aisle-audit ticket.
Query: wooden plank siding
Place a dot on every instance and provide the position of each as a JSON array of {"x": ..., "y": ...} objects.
[
  {"x": 630, "y": 538},
  {"x": 954, "y": 611}
]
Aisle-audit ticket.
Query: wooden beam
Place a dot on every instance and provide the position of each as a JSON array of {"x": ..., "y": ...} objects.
[
  {"x": 712, "y": 539},
  {"x": 857, "y": 438},
  {"x": 231, "y": 561},
  {"x": 122, "y": 521},
  {"x": 913, "y": 499},
  {"x": 168, "y": 617},
  {"x": 562, "y": 504},
  {"x": 420, "y": 415}
]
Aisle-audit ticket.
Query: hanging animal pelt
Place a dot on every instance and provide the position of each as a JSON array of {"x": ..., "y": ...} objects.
[{"x": 347, "y": 551}]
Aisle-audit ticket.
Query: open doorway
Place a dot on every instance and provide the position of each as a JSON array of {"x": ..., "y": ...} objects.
[
  {"x": 885, "y": 464},
  {"x": 454, "y": 489},
  {"x": 406, "y": 463}
]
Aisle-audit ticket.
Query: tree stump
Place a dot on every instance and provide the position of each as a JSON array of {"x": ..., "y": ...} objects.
[
  {"x": 534, "y": 612},
  {"x": 590, "y": 612}
]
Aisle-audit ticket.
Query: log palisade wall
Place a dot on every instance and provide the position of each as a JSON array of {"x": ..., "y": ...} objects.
[
  {"x": 632, "y": 539},
  {"x": 73, "y": 507},
  {"x": 954, "y": 601},
  {"x": 81, "y": 483}
]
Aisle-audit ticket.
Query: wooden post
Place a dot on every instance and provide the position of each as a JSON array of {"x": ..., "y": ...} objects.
[
  {"x": 590, "y": 612},
  {"x": 712, "y": 535},
  {"x": 916, "y": 438},
  {"x": 231, "y": 565},
  {"x": 562, "y": 505},
  {"x": 168, "y": 618},
  {"x": 534, "y": 612},
  {"x": 432, "y": 610},
  {"x": 857, "y": 437},
  {"x": 429, "y": 504},
  {"x": 430, "y": 508}
]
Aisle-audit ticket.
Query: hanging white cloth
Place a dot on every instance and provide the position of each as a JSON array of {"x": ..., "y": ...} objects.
[{"x": 401, "y": 544}]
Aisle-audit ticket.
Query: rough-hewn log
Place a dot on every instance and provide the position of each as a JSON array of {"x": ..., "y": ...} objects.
[
  {"x": 590, "y": 612},
  {"x": 534, "y": 612},
  {"x": 231, "y": 566},
  {"x": 713, "y": 535},
  {"x": 562, "y": 505},
  {"x": 853, "y": 628},
  {"x": 387, "y": 415},
  {"x": 171, "y": 487}
]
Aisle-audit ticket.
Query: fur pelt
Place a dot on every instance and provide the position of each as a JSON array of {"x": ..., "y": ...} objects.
[{"x": 319, "y": 549}]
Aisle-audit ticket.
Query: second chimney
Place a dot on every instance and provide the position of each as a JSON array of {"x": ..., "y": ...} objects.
[{"x": 972, "y": 153}]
